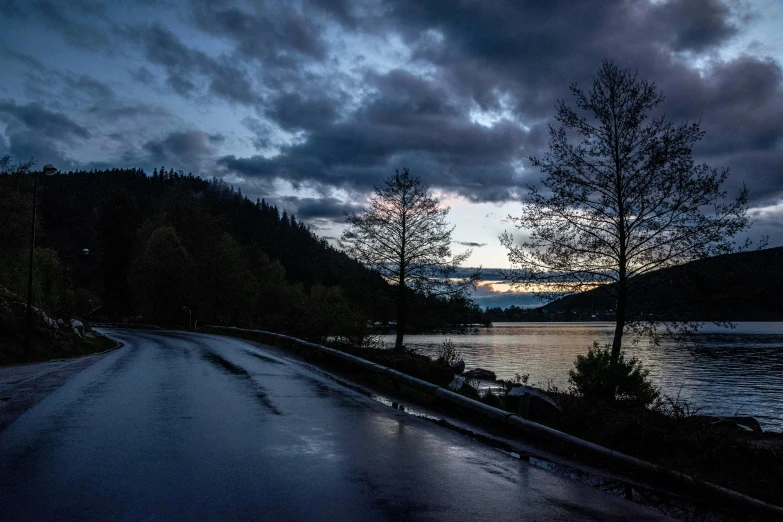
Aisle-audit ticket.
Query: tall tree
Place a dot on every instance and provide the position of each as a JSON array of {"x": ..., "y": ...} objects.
[
  {"x": 118, "y": 221},
  {"x": 163, "y": 276},
  {"x": 405, "y": 237},
  {"x": 622, "y": 197},
  {"x": 16, "y": 190}
]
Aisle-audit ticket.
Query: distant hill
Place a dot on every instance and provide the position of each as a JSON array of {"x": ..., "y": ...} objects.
[{"x": 746, "y": 286}]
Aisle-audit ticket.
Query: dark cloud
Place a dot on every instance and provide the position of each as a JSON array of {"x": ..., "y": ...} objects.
[
  {"x": 514, "y": 59},
  {"x": 185, "y": 66},
  {"x": 276, "y": 35},
  {"x": 216, "y": 139},
  {"x": 342, "y": 93},
  {"x": 486, "y": 296},
  {"x": 11, "y": 9},
  {"x": 188, "y": 150},
  {"x": 36, "y": 133},
  {"x": 295, "y": 111},
  {"x": 471, "y": 244},
  {"x": 262, "y": 131},
  {"x": 694, "y": 25},
  {"x": 90, "y": 87},
  {"x": 180, "y": 84},
  {"x": 319, "y": 209},
  {"x": 22, "y": 58},
  {"x": 341, "y": 10},
  {"x": 739, "y": 104},
  {"x": 143, "y": 75},
  {"x": 407, "y": 121},
  {"x": 77, "y": 21},
  {"x": 33, "y": 117},
  {"x": 144, "y": 112},
  {"x": 74, "y": 30},
  {"x": 487, "y": 274}
]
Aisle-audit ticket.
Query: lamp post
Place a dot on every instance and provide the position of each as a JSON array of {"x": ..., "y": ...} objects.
[
  {"x": 190, "y": 316},
  {"x": 48, "y": 170},
  {"x": 84, "y": 252}
]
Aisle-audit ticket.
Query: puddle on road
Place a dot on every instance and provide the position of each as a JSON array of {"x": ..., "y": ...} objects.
[{"x": 402, "y": 407}]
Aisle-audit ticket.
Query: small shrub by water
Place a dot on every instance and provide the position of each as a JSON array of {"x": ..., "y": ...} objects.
[
  {"x": 674, "y": 407},
  {"x": 447, "y": 353},
  {"x": 593, "y": 377},
  {"x": 490, "y": 399}
]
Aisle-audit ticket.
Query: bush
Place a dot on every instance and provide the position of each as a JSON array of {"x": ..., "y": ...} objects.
[
  {"x": 447, "y": 353},
  {"x": 593, "y": 377},
  {"x": 490, "y": 399},
  {"x": 675, "y": 407},
  {"x": 519, "y": 379}
]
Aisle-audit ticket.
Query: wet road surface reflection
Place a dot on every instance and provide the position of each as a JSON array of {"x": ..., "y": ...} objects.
[{"x": 198, "y": 427}]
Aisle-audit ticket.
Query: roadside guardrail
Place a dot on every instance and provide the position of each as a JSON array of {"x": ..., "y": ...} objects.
[{"x": 670, "y": 477}]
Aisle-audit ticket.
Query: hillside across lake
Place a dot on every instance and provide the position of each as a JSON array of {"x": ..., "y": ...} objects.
[{"x": 745, "y": 286}]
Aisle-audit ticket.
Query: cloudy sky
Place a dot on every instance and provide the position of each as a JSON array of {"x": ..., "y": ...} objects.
[{"x": 310, "y": 104}]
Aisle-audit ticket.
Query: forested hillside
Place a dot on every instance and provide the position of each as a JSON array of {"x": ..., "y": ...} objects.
[
  {"x": 170, "y": 247},
  {"x": 746, "y": 286}
]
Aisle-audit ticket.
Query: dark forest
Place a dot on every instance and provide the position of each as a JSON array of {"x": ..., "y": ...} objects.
[{"x": 176, "y": 250}]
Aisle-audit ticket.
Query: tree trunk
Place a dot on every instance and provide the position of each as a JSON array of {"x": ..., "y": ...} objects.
[
  {"x": 619, "y": 327},
  {"x": 617, "y": 342},
  {"x": 400, "y": 316}
]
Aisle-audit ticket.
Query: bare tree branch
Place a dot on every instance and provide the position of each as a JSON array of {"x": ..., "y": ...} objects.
[
  {"x": 624, "y": 200},
  {"x": 405, "y": 237}
]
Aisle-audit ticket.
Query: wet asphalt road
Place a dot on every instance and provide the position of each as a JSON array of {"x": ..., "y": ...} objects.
[{"x": 198, "y": 427}]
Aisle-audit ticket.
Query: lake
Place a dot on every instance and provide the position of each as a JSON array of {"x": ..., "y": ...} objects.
[{"x": 735, "y": 372}]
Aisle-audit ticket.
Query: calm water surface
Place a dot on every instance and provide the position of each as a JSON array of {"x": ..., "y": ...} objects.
[{"x": 736, "y": 372}]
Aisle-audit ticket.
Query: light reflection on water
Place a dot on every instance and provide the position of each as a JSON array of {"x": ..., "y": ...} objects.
[{"x": 737, "y": 372}]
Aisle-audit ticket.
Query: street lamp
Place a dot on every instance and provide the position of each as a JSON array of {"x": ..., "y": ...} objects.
[
  {"x": 48, "y": 170},
  {"x": 190, "y": 316},
  {"x": 84, "y": 252}
]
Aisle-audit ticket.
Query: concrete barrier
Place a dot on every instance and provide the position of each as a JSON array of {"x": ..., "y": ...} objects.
[{"x": 627, "y": 462}]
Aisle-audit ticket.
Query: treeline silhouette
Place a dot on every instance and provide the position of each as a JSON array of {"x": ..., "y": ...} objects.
[
  {"x": 744, "y": 286},
  {"x": 172, "y": 248}
]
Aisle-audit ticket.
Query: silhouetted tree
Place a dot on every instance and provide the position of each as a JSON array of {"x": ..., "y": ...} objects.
[
  {"x": 16, "y": 189},
  {"x": 404, "y": 236},
  {"x": 118, "y": 223},
  {"x": 163, "y": 276},
  {"x": 225, "y": 282},
  {"x": 621, "y": 197}
]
